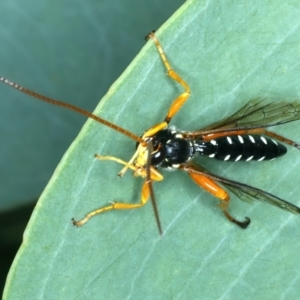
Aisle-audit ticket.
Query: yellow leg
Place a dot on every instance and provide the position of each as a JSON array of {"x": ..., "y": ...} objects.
[
  {"x": 179, "y": 101},
  {"x": 118, "y": 160},
  {"x": 144, "y": 198},
  {"x": 174, "y": 108},
  {"x": 127, "y": 165},
  {"x": 155, "y": 175}
]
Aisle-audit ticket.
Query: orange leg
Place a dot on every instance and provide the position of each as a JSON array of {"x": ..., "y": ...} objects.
[
  {"x": 281, "y": 138},
  {"x": 215, "y": 135},
  {"x": 174, "y": 108},
  {"x": 210, "y": 186},
  {"x": 117, "y": 205},
  {"x": 181, "y": 99}
]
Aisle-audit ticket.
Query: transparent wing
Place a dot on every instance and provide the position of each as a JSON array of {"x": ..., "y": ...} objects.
[
  {"x": 259, "y": 113},
  {"x": 244, "y": 191}
]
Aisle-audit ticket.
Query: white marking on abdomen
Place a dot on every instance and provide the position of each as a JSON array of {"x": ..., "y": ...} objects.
[
  {"x": 241, "y": 139},
  {"x": 264, "y": 140},
  {"x": 238, "y": 158},
  {"x": 251, "y": 138},
  {"x": 262, "y": 158},
  {"x": 227, "y": 157}
]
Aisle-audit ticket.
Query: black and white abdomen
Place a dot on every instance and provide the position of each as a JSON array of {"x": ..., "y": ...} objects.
[{"x": 240, "y": 148}]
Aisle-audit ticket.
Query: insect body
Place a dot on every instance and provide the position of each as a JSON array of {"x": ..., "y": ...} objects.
[
  {"x": 174, "y": 148},
  {"x": 240, "y": 137}
]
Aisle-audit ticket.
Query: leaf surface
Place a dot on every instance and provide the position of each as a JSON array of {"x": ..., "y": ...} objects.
[{"x": 228, "y": 52}]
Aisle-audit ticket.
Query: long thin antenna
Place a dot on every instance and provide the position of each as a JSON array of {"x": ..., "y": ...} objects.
[
  {"x": 149, "y": 182},
  {"x": 72, "y": 107}
]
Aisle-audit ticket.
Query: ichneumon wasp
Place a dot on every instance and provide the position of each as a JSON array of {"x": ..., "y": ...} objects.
[{"x": 240, "y": 137}]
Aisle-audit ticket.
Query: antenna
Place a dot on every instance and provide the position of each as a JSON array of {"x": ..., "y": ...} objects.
[{"x": 72, "y": 107}]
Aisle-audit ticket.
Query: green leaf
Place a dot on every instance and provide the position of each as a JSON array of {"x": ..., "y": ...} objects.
[{"x": 228, "y": 52}]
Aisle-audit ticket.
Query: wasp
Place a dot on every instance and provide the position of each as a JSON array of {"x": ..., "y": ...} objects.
[{"x": 242, "y": 136}]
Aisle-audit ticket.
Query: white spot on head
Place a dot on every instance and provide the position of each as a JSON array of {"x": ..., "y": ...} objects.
[
  {"x": 249, "y": 158},
  {"x": 179, "y": 136},
  {"x": 274, "y": 142},
  {"x": 212, "y": 155},
  {"x": 175, "y": 166},
  {"x": 238, "y": 158},
  {"x": 251, "y": 138},
  {"x": 264, "y": 140},
  {"x": 241, "y": 139},
  {"x": 227, "y": 157},
  {"x": 213, "y": 142},
  {"x": 229, "y": 140},
  {"x": 262, "y": 158}
]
